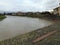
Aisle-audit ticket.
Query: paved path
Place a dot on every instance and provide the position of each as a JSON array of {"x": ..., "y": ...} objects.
[{"x": 44, "y": 36}]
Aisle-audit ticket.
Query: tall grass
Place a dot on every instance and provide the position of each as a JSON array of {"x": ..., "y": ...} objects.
[{"x": 2, "y": 17}]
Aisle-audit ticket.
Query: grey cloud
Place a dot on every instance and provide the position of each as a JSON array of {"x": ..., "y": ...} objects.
[{"x": 28, "y": 5}]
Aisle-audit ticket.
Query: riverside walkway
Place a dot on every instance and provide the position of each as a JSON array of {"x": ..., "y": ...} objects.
[{"x": 44, "y": 36}]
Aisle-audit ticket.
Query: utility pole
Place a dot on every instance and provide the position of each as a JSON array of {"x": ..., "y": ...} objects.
[
  {"x": 59, "y": 9},
  {"x": 59, "y": 4}
]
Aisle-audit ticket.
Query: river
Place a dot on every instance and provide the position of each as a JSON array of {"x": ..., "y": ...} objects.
[{"x": 14, "y": 25}]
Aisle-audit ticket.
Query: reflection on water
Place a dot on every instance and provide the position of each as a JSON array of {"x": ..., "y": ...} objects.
[{"x": 14, "y": 25}]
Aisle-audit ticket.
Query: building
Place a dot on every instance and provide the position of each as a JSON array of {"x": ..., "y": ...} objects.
[
  {"x": 20, "y": 13},
  {"x": 56, "y": 11}
]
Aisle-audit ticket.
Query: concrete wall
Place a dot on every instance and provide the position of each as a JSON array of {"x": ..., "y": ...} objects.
[
  {"x": 55, "y": 11},
  {"x": 59, "y": 11}
]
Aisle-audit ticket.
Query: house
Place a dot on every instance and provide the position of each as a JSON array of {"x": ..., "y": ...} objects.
[
  {"x": 56, "y": 11},
  {"x": 19, "y": 13}
]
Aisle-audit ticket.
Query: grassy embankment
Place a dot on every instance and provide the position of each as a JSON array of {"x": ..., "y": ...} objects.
[{"x": 2, "y": 17}]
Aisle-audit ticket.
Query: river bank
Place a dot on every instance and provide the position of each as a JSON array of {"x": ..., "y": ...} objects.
[
  {"x": 2, "y": 17},
  {"x": 26, "y": 39}
]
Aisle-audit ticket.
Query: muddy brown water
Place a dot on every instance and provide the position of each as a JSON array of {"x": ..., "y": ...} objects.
[{"x": 14, "y": 25}]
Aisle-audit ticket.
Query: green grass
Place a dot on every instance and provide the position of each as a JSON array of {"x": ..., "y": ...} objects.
[{"x": 2, "y": 17}]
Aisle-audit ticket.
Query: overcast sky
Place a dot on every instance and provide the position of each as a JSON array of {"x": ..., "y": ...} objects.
[{"x": 28, "y": 5}]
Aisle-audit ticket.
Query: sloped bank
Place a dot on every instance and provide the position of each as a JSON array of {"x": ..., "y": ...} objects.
[
  {"x": 26, "y": 39},
  {"x": 2, "y": 17}
]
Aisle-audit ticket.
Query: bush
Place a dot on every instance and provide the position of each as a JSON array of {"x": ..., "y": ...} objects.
[{"x": 2, "y": 16}]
